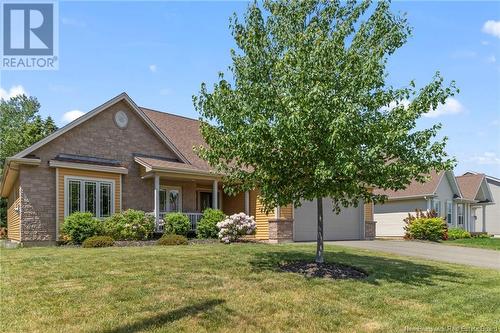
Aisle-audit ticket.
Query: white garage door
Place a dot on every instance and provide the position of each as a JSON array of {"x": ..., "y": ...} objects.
[
  {"x": 344, "y": 226},
  {"x": 390, "y": 224}
]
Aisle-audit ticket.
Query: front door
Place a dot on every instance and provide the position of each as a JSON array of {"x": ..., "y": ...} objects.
[
  {"x": 170, "y": 199},
  {"x": 205, "y": 200}
]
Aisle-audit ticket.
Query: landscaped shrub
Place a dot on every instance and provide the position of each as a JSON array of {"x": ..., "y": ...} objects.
[
  {"x": 170, "y": 239},
  {"x": 130, "y": 225},
  {"x": 177, "y": 223},
  {"x": 236, "y": 226},
  {"x": 80, "y": 226},
  {"x": 207, "y": 227},
  {"x": 98, "y": 241},
  {"x": 458, "y": 233},
  {"x": 3, "y": 233},
  {"x": 433, "y": 229},
  {"x": 419, "y": 214}
]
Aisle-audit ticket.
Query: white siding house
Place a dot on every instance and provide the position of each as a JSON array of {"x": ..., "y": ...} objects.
[
  {"x": 487, "y": 216},
  {"x": 440, "y": 193}
]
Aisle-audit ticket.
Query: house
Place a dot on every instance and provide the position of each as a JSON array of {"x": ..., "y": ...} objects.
[
  {"x": 487, "y": 215},
  {"x": 121, "y": 156},
  {"x": 457, "y": 199}
]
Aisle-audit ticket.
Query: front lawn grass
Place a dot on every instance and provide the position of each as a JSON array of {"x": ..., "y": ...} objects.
[
  {"x": 235, "y": 288},
  {"x": 486, "y": 243}
]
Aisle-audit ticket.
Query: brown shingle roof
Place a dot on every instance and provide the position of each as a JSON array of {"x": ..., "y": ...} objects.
[
  {"x": 469, "y": 185},
  {"x": 160, "y": 163},
  {"x": 415, "y": 189},
  {"x": 183, "y": 132}
]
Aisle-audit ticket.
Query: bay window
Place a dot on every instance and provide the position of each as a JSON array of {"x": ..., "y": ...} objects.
[{"x": 85, "y": 195}]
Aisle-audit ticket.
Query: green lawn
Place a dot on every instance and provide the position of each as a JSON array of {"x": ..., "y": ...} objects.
[
  {"x": 487, "y": 243},
  {"x": 235, "y": 288}
]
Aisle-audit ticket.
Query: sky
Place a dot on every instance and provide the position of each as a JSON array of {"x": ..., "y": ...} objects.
[{"x": 160, "y": 52}]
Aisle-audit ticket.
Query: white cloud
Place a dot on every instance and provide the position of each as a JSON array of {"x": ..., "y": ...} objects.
[
  {"x": 491, "y": 59},
  {"x": 451, "y": 106},
  {"x": 492, "y": 27},
  {"x": 485, "y": 42},
  {"x": 72, "y": 115},
  {"x": 153, "y": 68},
  {"x": 486, "y": 158},
  {"x": 12, "y": 92}
]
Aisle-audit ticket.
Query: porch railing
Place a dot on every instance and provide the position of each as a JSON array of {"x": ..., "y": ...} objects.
[{"x": 194, "y": 218}]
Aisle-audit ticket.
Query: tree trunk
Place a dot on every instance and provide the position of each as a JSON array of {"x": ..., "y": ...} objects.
[{"x": 319, "y": 248}]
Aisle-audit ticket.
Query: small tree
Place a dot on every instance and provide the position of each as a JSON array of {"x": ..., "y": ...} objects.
[
  {"x": 20, "y": 126},
  {"x": 308, "y": 113}
]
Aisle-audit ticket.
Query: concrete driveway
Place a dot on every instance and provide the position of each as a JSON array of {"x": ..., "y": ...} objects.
[{"x": 448, "y": 253}]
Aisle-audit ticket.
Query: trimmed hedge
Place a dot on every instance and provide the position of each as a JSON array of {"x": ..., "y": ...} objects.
[
  {"x": 177, "y": 223},
  {"x": 433, "y": 229},
  {"x": 170, "y": 239},
  {"x": 458, "y": 233},
  {"x": 207, "y": 227},
  {"x": 80, "y": 226},
  {"x": 98, "y": 241}
]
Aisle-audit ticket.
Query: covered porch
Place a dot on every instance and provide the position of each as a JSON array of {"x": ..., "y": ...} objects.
[{"x": 179, "y": 187}]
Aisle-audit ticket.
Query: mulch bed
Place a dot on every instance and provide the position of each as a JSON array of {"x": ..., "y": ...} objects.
[{"x": 326, "y": 270}]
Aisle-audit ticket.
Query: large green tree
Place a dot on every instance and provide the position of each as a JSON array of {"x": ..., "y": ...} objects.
[
  {"x": 20, "y": 126},
  {"x": 308, "y": 112}
]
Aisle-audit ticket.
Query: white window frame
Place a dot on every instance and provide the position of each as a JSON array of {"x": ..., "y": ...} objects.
[
  {"x": 436, "y": 203},
  {"x": 449, "y": 212},
  {"x": 462, "y": 214},
  {"x": 167, "y": 189},
  {"x": 82, "y": 181}
]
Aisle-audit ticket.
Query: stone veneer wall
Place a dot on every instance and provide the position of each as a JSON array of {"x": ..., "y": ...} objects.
[
  {"x": 280, "y": 230},
  {"x": 99, "y": 137},
  {"x": 370, "y": 227}
]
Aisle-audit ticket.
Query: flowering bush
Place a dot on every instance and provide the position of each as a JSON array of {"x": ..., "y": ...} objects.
[
  {"x": 129, "y": 225},
  {"x": 235, "y": 226}
]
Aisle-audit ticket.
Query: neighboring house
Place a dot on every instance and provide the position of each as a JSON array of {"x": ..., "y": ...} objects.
[
  {"x": 121, "y": 156},
  {"x": 487, "y": 215},
  {"x": 457, "y": 199},
  {"x": 440, "y": 193}
]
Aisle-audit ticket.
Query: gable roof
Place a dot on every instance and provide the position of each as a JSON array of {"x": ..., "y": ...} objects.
[
  {"x": 418, "y": 190},
  {"x": 485, "y": 175},
  {"x": 415, "y": 189},
  {"x": 183, "y": 132},
  {"x": 470, "y": 184},
  {"x": 121, "y": 97}
]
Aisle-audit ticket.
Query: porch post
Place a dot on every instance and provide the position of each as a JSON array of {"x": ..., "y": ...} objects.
[
  {"x": 157, "y": 198},
  {"x": 247, "y": 203},
  {"x": 215, "y": 193},
  {"x": 484, "y": 218}
]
